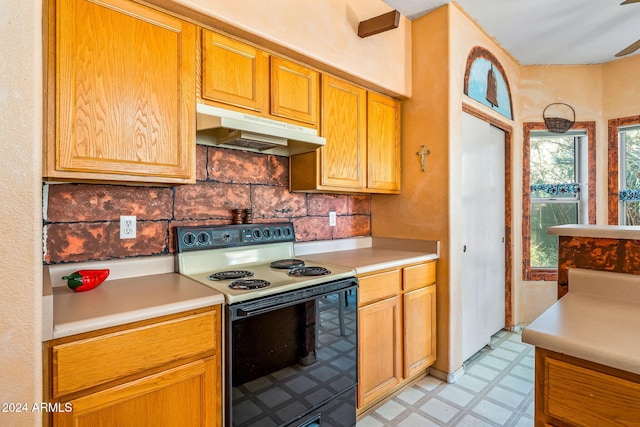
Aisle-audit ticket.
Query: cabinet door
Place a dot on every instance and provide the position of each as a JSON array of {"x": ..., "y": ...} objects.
[
  {"x": 383, "y": 143},
  {"x": 294, "y": 91},
  {"x": 344, "y": 119},
  {"x": 183, "y": 396},
  {"x": 419, "y": 330},
  {"x": 234, "y": 73},
  {"x": 124, "y": 93},
  {"x": 379, "y": 359}
]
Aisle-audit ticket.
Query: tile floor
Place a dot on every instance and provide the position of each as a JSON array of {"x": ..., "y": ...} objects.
[{"x": 496, "y": 390}]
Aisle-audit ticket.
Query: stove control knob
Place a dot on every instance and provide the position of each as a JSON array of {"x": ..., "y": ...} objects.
[
  {"x": 256, "y": 234},
  {"x": 277, "y": 233},
  {"x": 226, "y": 237},
  {"x": 188, "y": 238},
  {"x": 266, "y": 233},
  {"x": 203, "y": 238}
]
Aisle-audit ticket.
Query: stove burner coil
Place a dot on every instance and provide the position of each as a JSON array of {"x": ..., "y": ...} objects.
[
  {"x": 249, "y": 284},
  {"x": 309, "y": 271},
  {"x": 230, "y": 275},
  {"x": 287, "y": 264}
]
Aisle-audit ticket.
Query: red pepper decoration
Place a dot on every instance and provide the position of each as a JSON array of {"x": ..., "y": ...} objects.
[{"x": 85, "y": 280}]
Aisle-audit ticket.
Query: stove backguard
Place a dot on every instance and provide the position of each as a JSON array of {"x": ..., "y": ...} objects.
[{"x": 194, "y": 238}]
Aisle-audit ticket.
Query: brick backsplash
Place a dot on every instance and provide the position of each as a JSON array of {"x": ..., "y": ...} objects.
[{"x": 82, "y": 221}]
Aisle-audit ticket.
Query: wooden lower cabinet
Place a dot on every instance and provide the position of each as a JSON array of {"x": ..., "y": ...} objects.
[
  {"x": 380, "y": 367},
  {"x": 575, "y": 392},
  {"x": 396, "y": 329},
  {"x": 419, "y": 330},
  {"x": 175, "y": 397},
  {"x": 161, "y": 372}
]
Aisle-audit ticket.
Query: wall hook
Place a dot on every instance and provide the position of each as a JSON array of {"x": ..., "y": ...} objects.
[{"x": 423, "y": 153}]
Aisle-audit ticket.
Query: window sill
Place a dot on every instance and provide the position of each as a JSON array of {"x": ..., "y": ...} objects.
[{"x": 548, "y": 275}]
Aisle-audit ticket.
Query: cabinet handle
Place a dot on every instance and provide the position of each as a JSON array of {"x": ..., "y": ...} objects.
[{"x": 464, "y": 248}]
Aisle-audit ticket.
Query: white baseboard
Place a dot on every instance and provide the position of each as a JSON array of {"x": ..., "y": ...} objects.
[{"x": 450, "y": 377}]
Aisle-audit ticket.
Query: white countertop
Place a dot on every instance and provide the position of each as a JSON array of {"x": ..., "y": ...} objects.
[
  {"x": 118, "y": 301},
  {"x": 383, "y": 253},
  {"x": 122, "y": 301},
  {"x": 597, "y": 231},
  {"x": 133, "y": 291},
  {"x": 597, "y": 320}
]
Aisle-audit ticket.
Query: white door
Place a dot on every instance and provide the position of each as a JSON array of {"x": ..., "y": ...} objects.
[{"x": 483, "y": 231}]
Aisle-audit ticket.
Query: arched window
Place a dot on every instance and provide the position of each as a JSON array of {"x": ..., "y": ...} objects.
[{"x": 485, "y": 81}]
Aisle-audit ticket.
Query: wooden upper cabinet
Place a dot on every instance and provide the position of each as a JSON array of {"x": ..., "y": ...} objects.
[
  {"x": 123, "y": 76},
  {"x": 362, "y": 153},
  {"x": 344, "y": 125},
  {"x": 294, "y": 91},
  {"x": 234, "y": 73},
  {"x": 383, "y": 143},
  {"x": 340, "y": 165}
]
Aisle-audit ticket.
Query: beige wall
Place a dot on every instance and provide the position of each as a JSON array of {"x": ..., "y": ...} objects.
[
  {"x": 327, "y": 31},
  {"x": 621, "y": 88},
  {"x": 422, "y": 210},
  {"x": 427, "y": 209},
  {"x": 20, "y": 209},
  {"x": 581, "y": 87}
]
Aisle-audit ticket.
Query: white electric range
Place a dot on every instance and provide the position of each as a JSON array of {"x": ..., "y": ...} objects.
[
  {"x": 286, "y": 323},
  {"x": 249, "y": 261}
]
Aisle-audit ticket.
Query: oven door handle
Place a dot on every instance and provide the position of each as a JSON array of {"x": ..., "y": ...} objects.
[
  {"x": 241, "y": 312},
  {"x": 294, "y": 298}
]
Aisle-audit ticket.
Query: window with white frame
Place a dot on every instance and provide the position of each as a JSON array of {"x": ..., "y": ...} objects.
[
  {"x": 557, "y": 175},
  {"x": 629, "y": 175}
]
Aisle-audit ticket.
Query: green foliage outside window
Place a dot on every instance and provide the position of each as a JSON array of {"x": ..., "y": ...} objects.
[
  {"x": 552, "y": 162},
  {"x": 631, "y": 141}
]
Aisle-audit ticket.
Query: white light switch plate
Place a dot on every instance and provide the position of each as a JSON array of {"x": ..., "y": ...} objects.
[{"x": 332, "y": 219}]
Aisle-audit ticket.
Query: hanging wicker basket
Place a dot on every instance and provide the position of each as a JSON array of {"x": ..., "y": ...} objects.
[{"x": 559, "y": 124}]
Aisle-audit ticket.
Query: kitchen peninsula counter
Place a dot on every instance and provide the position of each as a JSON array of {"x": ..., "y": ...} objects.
[
  {"x": 120, "y": 299},
  {"x": 369, "y": 254},
  {"x": 587, "y": 370},
  {"x": 596, "y": 247},
  {"x": 593, "y": 322},
  {"x": 596, "y": 231}
]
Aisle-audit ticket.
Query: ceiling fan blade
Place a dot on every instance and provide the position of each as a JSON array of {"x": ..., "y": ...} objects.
[
  {"x": 629, "y": 2},
  {"x": 632, "y": 48}
]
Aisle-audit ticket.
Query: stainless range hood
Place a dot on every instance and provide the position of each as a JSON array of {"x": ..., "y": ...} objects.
[{"x": 232, "y": 129}]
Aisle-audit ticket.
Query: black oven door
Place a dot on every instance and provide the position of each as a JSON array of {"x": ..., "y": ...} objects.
[{"x": 292, "y": 358}]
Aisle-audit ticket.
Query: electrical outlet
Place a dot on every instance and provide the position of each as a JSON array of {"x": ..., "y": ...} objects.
[
  {"x": 127, "y": 227},
  {"x": 332, "y": 219}
]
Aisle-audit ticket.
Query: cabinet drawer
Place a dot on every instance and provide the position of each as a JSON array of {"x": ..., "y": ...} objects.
[
  {"x": 417, "y": 276},
  {"x": 378, "y": 286},
  {"x": 583, "y": 396},
  {"x": 97, "y": 360}
]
